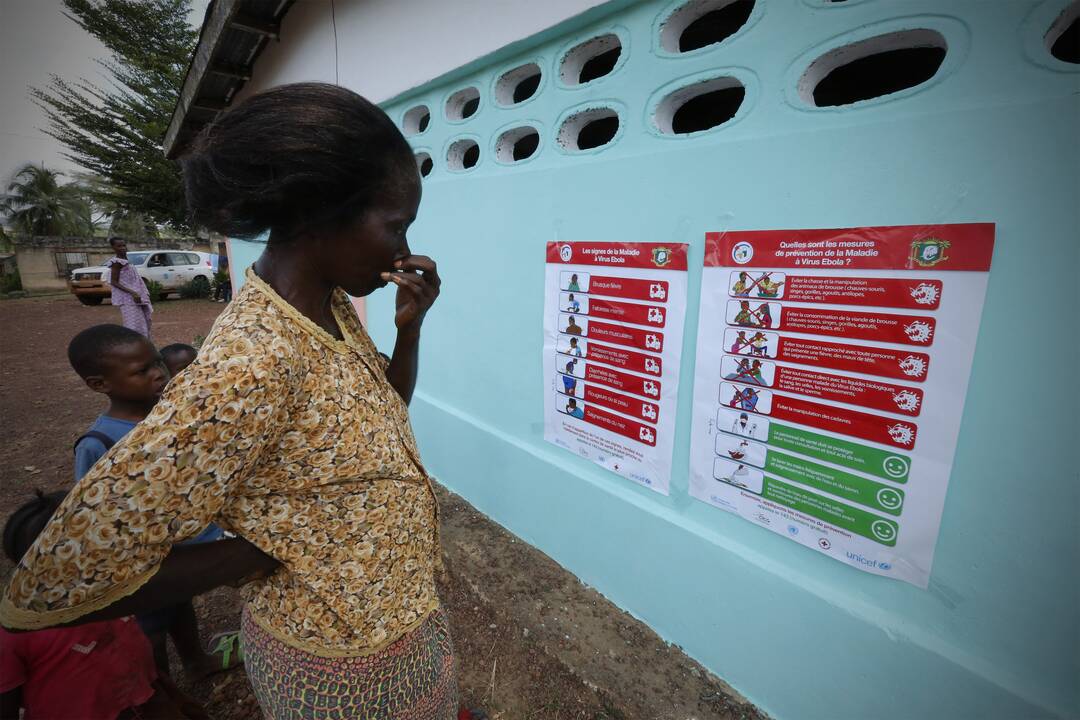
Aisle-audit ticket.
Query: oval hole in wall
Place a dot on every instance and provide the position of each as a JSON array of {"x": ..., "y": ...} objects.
[
  {"x": 463, "y": 154},
  {"x": 700, "y": 106},
  {"x": 517, "y": 85},
  {"x": 517, "y": 144},
  {"x": 591, "y": 59},
  {"x": 873, "y": 67},
  {"x": 416, "y": 120},
  {"x": 589, "y": 129},
  {"x": 1063, "y": 38},
  {"x": 700, "y": 23},
  {"x": 424, "y": 163},
  {"x": 463, "y": 104}
]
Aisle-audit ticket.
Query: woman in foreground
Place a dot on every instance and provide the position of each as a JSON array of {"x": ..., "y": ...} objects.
[{"x": 289, "y": 430}]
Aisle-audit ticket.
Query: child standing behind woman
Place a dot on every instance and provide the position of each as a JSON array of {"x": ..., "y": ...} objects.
[
  {"x": 127, "y": 368},
  {"x": 129, "y": 292},
  {"x": 100, "y": 670}
]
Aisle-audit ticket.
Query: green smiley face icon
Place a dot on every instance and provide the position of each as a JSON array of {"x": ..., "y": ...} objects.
[
  {"x": 895, "y": 466},
  {"x": 889, "y": 499},
  {"x": 884, "y": 531}
]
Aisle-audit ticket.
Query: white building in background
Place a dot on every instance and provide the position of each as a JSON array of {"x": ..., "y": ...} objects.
[{"x": 986, "y": 134}]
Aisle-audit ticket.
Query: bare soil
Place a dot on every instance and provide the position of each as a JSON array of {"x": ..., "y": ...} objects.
[{"x": 533, "y": 642}]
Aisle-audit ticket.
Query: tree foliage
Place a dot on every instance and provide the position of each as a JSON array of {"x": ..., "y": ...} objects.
[
  {"x": 37, "y": 204},
  {"x": 116, "y": 131}
]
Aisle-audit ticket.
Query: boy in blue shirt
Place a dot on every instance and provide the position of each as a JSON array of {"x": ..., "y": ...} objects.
[{"x": 125, "y": 366}]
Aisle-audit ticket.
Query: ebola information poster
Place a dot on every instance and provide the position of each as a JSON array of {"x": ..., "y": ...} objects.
[
  {"x": 613, "y": 331},
  {"x": 831, "y": 372}
]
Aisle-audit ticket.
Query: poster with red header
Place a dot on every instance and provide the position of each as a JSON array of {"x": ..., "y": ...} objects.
[
  {"x": 613, "y": 330},
  {"x": 831, "y": 372}
]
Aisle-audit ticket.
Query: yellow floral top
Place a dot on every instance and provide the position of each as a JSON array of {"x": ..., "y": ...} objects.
[{"x": 287, "y": 437}]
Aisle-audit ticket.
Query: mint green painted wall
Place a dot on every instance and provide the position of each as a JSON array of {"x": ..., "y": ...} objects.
[{"x": 992, "y": 138}]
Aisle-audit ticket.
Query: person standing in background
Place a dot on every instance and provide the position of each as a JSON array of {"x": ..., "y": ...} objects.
[{"x": 129, "y": 292}]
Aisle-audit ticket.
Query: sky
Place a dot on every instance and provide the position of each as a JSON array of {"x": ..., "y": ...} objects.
[{"x": 36, "y": 40}]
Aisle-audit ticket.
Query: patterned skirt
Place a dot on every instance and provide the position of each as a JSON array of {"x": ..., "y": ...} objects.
[{"x": 414, "y": 678}]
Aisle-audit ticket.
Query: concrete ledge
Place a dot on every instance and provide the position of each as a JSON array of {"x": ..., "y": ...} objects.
[
  {"x": 540, "y": 606},
  {"x": 752, "y": 626}
]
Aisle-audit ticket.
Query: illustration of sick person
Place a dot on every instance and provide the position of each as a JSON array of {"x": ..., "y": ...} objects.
[
  {"x": 573, "y": 286},
  {"x": 760, "y": 345},
  {"x": 755, "y": 373},
  {"x": 742, "y": 371},
  {"x": 744, "y": 399},
  {"x": 568, "y": 380},
  {"x": 574, "y": 349},
  {"x": 573, "y": 410},
  {"x": 745, "y": 317},
  {"x": 767, "y": 288},
  {"x": 741, "y": 288},
  {"x": 763, "y": 315},
  {"x": 573, "y": 305},
  {"x": 572, "y": 328},
  {"x": 740, "y": 342},
  {"x": 744, "y": 426}
]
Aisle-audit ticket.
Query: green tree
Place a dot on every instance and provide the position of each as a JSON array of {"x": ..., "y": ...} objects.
[
  {"x": 116, "y": 132},
  {"x": 37, "y": 204},
  {"x": 112, "y": 216}
]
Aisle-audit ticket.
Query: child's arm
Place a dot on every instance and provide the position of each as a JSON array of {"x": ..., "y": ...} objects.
[{"x": 10, "y": 704}]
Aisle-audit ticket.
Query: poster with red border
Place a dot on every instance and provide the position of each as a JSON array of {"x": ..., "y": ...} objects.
[
  {"x": 829, "y": 387},
  {"x": 613, "y": 330}
]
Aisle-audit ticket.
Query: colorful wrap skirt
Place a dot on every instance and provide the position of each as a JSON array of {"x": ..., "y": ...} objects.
[{"x": 413, "y": 678}]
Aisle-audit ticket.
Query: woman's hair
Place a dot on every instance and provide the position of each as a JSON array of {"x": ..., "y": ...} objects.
[
  {"x": 307, "y": 155},
  {"x": 26, "y": 523}
]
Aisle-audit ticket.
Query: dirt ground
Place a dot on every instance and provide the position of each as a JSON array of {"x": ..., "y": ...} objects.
[{"x": 533, "y": 642}]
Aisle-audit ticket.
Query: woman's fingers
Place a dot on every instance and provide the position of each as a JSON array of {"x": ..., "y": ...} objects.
[
  {"x": 420, "y": 264},
  {"x": 418, "y": 285},
  {"x": 415, "y": 284}
]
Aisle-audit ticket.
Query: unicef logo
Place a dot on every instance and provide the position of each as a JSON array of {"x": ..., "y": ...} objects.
[
  {"x": 742, "y": 253},
  {"x": 566, "y": 252},
  {"x": 884, "y": 566}
]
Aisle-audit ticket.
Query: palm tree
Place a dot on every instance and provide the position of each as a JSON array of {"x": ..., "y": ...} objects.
[{"x": 37, "y": 204}]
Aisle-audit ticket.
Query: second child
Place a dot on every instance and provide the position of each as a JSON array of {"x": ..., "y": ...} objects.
[{"x": 126, "y": 367}]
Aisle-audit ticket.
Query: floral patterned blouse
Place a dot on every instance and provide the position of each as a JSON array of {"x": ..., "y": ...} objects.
[{"x": 287, "y": 437}]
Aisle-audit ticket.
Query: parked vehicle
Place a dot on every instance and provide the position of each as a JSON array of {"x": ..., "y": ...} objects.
[{"x": 170, "y": 268}]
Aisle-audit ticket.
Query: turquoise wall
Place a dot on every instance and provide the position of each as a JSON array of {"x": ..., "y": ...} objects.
[{"x": 992, "y": 138}]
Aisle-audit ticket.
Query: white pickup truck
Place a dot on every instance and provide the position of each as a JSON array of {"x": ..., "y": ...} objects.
[{"x": 171, "y": 268}]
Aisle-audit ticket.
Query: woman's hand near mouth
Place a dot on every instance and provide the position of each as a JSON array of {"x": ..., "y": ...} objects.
[{"x": 418, "y": 286}]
